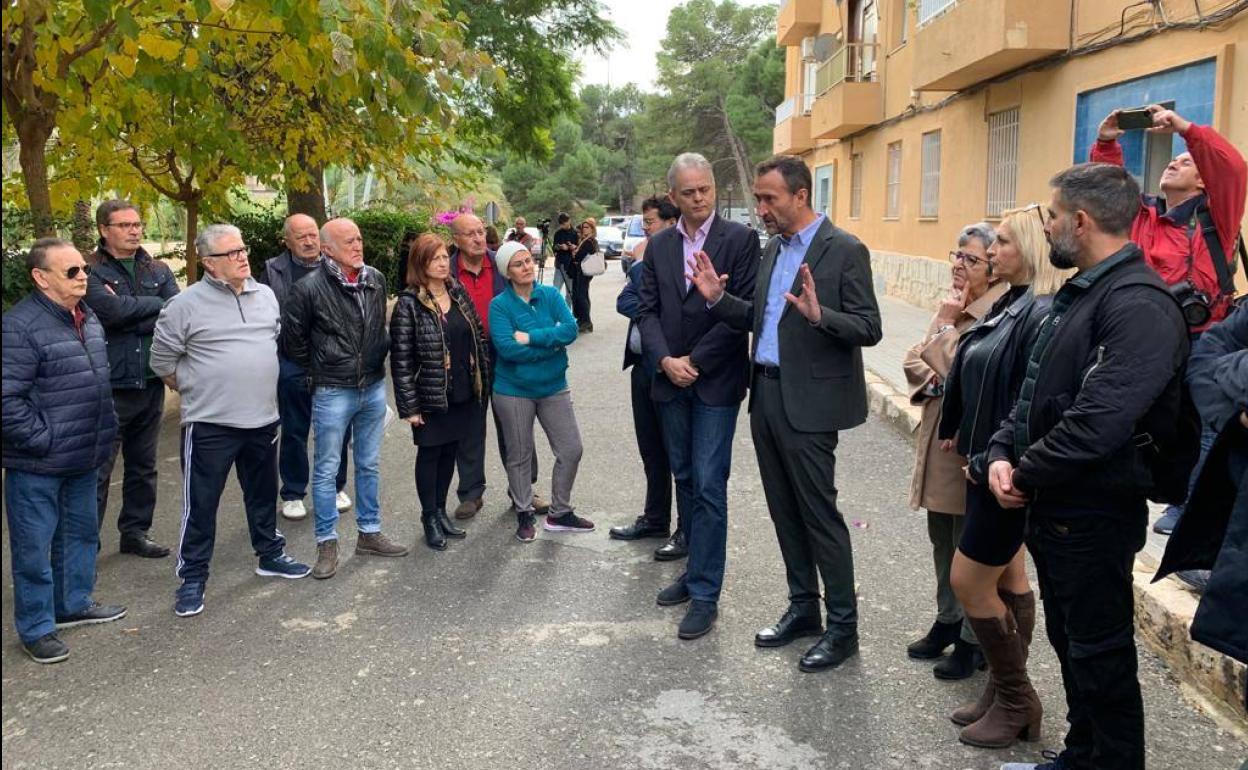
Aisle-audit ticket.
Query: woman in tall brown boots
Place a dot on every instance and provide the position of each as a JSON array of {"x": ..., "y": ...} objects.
[{"x": 989, "y": 574}]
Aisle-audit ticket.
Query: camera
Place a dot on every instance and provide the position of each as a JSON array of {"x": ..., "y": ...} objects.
[{"x": 1192, "y": 302}]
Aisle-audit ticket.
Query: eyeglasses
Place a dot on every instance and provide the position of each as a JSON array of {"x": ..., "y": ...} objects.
[
  {"x": 970, "y": 260},
  {"x": 1039, "y": 211},
  {"x": 235, "y": 254},
  {"x": 126, "y": 225},
  {"x": 71, "y": 273}
]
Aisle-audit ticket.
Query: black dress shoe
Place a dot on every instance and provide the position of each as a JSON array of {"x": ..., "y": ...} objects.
[
  {"x": 699, "y": 620},
  {"x": 832, "y": 650},
  {"x": 677, "y": 547},
  {"x": 791, "y": 626},
  {"x": 142, "y": 545},
  {"x": 937, "y": 640},
  {"x": 641, "y": 528},
  {"x": 966, "y": 658},
  {"x": 676, "y": 593}
]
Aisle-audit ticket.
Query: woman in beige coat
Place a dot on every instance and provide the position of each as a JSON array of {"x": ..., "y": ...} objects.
[{"x": 939, "y": 484}]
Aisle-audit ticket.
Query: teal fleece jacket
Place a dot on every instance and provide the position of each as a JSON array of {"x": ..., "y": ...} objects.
[{"x": 538, "y": 369}]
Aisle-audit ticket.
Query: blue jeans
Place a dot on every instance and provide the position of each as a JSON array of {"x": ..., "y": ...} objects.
[
  {"x": 294, "y": 405},
  {"x": 334, "y": 410},
  {"x": 699, "y": 447},
  {"x": 53, "y": 536}
]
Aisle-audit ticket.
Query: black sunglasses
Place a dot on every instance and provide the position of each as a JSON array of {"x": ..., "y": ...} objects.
[{"x": 72, "y": 272}]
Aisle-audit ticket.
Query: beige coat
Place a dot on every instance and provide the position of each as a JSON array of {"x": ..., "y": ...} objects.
[{"x": 939, "y": 483}]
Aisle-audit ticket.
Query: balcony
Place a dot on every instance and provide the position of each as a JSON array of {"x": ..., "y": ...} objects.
[
  {"x": 792, "y": 132},
  {"x": 849, "y": 98},
  {"x": 968, "y": 41},
  {"x": 797, "y": 19}
]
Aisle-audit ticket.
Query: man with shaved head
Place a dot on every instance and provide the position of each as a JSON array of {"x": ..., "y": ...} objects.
[
  {"x": 294, "y": 401},
  {"x": 334, "y": 327},
  {"x": 472, "y": 265}
]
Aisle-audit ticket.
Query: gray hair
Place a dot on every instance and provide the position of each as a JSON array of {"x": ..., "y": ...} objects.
[
  {"x": 206, "y": 238},
  {"x": 981, "y": 230},
  {"x": 688, "y": 160}
]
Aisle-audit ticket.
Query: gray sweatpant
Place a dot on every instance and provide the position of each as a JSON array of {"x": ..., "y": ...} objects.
[{"x": 516, "y": 416}]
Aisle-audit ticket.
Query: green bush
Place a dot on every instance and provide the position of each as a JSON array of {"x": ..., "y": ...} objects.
[
  {"x": 262, "y": 232},
  {"x": 16, "y": 277},
  {"x": 383, "y": 232}
]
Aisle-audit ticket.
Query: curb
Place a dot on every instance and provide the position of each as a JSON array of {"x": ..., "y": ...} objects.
[{"x": 1163, "y": 610}]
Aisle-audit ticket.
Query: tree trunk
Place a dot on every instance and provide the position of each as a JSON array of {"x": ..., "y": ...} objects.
[
  {"x": 32, "y": 137},
  {"x": 305, "y": 198},
  {"x": 192, "y": 228},
  {"x": 83, "y": 229},
  {"x": 740, "y": 159}
]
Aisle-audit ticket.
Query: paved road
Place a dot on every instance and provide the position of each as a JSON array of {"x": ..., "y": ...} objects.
[{"x": 496, "y": 654}]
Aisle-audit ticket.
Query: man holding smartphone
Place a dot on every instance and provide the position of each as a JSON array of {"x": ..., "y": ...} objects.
[{"x": 1196, "y": 217}]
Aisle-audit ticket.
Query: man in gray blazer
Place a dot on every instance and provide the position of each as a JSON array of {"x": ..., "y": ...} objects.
[{"x": 808, "y": 327}]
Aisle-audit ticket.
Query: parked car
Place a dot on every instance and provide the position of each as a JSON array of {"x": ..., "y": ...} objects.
[
  {"x": 634, "y": 235},
  {"x": 610, "y": 241},
  {"x": 614, "y": 220},
  {"x": 538, "y": 248}
]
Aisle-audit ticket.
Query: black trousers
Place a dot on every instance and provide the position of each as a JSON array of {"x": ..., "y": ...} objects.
[
  {"x": 470, "y": 455},
  {"x": 798, "y": 471},
  {"x": 1083, "y": 560},
  {"x": 208, "y": 453},
  {"x": 435, "y": 465},
  {"x": 649, "y": 432},
  {"x": 580, "y": 294},
  {"x": 138, "y": 428}
]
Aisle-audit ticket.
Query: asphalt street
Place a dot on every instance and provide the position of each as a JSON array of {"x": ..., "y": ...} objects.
[{"x": 498, "y": 654}]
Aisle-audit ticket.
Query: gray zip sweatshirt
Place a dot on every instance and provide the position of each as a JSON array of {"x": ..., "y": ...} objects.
[{"x": 222, "y": 348}]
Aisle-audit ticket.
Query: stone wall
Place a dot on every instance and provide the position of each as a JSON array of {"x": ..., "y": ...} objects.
[{"x": 917, "y": 280}]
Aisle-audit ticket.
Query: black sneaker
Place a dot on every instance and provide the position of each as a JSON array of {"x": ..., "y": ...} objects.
[
  {"x": 94, "y": 613},
  {"x": 699, "y": 620},
  {"x": 188, "y": 600},
  {"x": 47, "y": 649},
  {"x": 676, "y": 593}
]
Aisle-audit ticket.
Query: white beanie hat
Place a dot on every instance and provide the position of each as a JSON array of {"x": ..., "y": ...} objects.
[{"x": 505, "y": 253}]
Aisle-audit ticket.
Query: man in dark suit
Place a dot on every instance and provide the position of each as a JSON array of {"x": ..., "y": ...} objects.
[
  {"x": 701, "y": 375},
  {"x": 817, "y": 310}
]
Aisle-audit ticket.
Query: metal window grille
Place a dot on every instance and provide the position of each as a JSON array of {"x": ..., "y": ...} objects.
[
  {"x": 929, "y": 187},
  {"x": 892, "y": 200},
  {"x": 855, "y": 185},
  {"x": 1002, "y": 161},
  {"x": 930, "y": 9}
]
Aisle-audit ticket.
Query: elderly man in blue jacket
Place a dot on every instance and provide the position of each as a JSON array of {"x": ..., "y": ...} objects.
[{"x": 58, "y": 428}]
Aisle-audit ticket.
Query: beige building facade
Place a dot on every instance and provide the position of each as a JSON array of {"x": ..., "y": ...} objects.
[{"x": 918, "y": 117}]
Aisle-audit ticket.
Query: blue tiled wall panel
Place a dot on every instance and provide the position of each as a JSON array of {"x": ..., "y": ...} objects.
[{"x": 1190, "y": 88}]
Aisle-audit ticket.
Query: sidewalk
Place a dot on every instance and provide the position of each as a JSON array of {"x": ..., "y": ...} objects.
[{"x": 1164, "y": 610}]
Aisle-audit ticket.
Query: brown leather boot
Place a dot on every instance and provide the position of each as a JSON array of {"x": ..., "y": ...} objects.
[
  {"x": 326, "y": 560},
  {"x": 377, "y": 544},
  {"x": 1023, "y": 607},
  {"x": 1015, "y": 711}
]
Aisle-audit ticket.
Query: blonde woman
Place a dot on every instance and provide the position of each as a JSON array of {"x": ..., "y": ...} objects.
[
  {"x": 988, "y": 574},
  {"x": 586, "y": 244}
]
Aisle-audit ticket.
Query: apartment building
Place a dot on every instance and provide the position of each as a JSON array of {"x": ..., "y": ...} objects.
[{"x": 918, "y": 117}]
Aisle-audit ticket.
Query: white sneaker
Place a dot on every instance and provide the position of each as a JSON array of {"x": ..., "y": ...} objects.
[
  {"x": 294, "y": 510},
  {"x": 342, "y": 501}
]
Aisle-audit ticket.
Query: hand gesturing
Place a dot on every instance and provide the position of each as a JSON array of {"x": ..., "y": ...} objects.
[
  {"x": 808, "y": 302},
  {"x": 703, "y": 276}
]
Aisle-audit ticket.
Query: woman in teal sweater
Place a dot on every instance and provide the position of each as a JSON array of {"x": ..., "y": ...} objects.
[{"x": 531, "y": 328}]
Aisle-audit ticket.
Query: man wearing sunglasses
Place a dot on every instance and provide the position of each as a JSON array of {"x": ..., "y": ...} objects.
[
  {"x": 58, "y": 427},
  {"x": 127, "y": 289}
]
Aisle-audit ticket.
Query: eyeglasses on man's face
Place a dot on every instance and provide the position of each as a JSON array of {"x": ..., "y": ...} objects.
[
  {"x": 126, "y": 225},
  {"x": 235, "y": 254}
]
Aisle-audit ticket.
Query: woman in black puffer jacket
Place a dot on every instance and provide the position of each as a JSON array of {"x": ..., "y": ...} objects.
[{"x": 439, "y": 361}]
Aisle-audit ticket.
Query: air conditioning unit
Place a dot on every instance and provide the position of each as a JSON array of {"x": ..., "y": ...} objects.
[{"x": 808, "y": 49}]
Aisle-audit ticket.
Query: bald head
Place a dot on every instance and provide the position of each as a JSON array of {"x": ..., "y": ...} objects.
[
  {"x": 301, "y": 237},
  {"x": 341, "y": 241},
  {"x": 469, "y": 234}
]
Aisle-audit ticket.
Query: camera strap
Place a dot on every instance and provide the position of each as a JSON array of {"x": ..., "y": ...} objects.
[{"x": 1225, "y": 270}]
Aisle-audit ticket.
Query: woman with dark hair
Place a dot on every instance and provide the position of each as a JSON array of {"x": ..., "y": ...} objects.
[
  {"x": 586, "y": 244},
  {"x": 439, "y": 361},
  {"x": 492, "y": 239}
]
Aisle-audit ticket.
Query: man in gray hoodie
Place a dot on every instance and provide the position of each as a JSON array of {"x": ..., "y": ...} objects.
[{"x": 217, "y": 346}]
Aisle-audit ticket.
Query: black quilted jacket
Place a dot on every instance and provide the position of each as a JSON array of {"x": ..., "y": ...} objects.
[{"x": 418, "y": 352}]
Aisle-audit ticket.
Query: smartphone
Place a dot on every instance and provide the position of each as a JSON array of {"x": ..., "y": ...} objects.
[{"x": 1137, "y": 118}]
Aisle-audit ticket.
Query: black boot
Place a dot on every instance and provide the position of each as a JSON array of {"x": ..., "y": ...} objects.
[
  {"x": 433, "y": 530},
  {"x": 449, "y": 529},
  {"x": 933, "y": 645},
  {"x": 966, "y": 658}
]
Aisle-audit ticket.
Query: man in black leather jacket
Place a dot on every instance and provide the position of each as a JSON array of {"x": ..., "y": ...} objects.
[
  {"x": 1109, "y": 354},
  {"x": 334, "y": 327}
]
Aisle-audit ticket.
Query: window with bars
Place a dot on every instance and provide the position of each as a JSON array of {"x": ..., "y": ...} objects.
[
  {"x": 929, "y": 185},
  {"x": 1002, "y": 161},
  {"x": 929, "y": 9},
  {"x": 892, "y": 198},
  {"x": 855, "y": 185}
]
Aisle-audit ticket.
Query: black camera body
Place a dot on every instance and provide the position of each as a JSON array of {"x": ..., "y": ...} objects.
[{"x": 1193, "y": 303}]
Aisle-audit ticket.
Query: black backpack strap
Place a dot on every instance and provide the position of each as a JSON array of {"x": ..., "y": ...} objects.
[{"x": 1224, "y": 270}]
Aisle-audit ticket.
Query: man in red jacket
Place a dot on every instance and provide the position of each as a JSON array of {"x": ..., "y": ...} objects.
[{"x": 1211, "y": 175}]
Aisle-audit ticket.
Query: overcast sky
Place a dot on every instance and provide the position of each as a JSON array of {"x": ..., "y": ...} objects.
[{"x": 631, "y": 60}]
